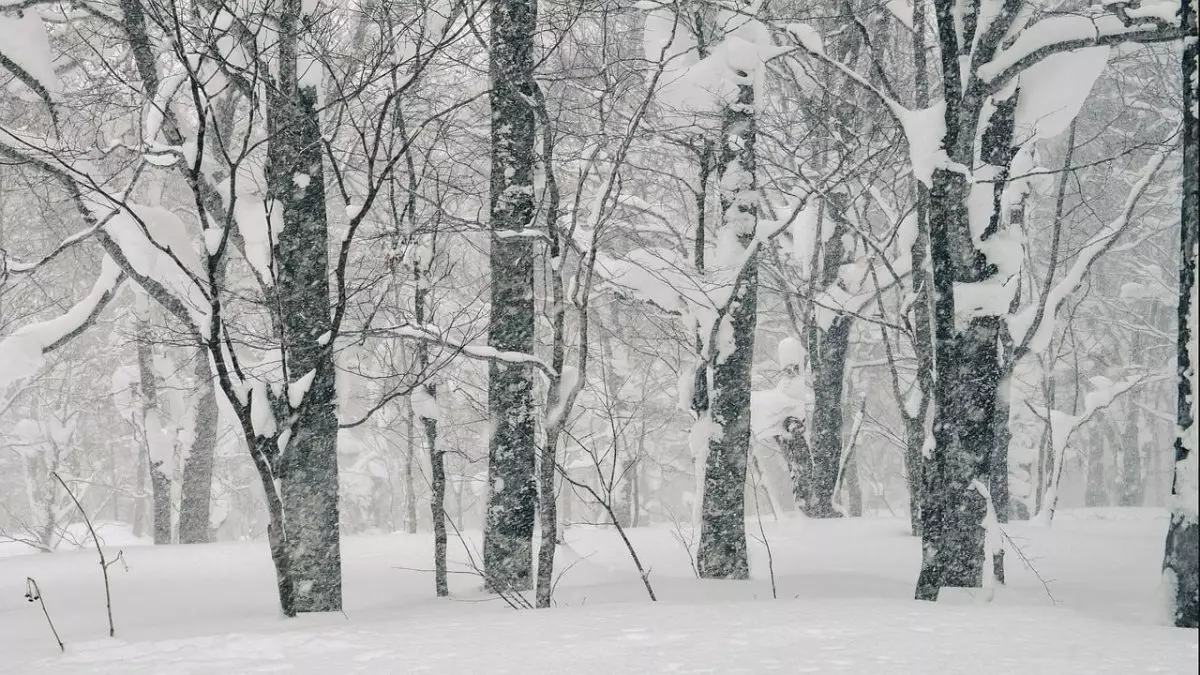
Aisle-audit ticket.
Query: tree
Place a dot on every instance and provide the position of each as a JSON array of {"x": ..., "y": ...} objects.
[
  {"x": 512, "y": 488},
  {"x": 1181, "y": 562}
]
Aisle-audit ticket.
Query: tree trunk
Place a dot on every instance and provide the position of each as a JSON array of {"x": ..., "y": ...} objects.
[
  {"x": 969, "y": 368},
  {"x": 512, "y": 488},
  {"x": 197, "y": 472},
  {"x": 914, "y": 464},
  {"x": 1095, "y": 493},
  {"x": 827, "y": 351},
  {"x": 308, "y": 467},
  {"x": 410, "y": 457},
  {"x": 1181, "y": 561},
  {"x": 437, "y": 507},
  {"x": 721, "y": 553},
  {"x": 799, "y": 460},
  {"x": 854, "y": 495},
  {"x": 437, "y": 460},
  {"x": 1130, "y": 481},
  {"x": 152, "y": 428}
]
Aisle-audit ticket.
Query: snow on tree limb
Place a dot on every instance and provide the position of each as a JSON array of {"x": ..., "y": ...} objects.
[
  {"x": 1033, "y": 327},
  {"x": 9, "y": 266},
  {"x": 1064, "y": 425},
  {"x": 1066, "y": 32},
  {"x": 25, "y": 52},
  {"x": 22, "y": 353}
]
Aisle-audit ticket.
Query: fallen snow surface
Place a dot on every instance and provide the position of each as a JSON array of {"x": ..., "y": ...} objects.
[{"x": 844, "y": 607}]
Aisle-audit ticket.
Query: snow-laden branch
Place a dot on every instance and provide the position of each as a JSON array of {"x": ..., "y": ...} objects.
[
  {"x": 434, "y": 335},
  {"x": 1064, "y": 425},
  {"x": 1155, "y": 21},
  {"x": 1033, "y": 327},
  {"x": 9, "y": 266},
  {"x": 22, "y": 353}
]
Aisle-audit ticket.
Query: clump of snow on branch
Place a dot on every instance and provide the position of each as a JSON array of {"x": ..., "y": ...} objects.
[
  {"x": 24, "y": 42},
  {"x": 22, "y": 353}
]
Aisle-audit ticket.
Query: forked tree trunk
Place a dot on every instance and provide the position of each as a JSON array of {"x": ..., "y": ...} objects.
[{"x": 969, "y": 369}]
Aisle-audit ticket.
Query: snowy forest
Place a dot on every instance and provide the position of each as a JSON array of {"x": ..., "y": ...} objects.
[{"x": 668, "y": 318}]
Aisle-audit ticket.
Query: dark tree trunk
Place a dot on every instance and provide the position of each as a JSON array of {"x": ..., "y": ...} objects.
[
  {"x": 196, "y": 496},
  {"x": 512, "y": 488},
  {"x": 827, "y": 351},
  {"x": 968, "y": 357},
  {"x": 308, "y": 467},
  {"x": 794, "y": 445},
  {"x": 914, "y": 465},
  {"x": 915, "y": 420},
  {"x": 721, "y": 553},
  {"x": 1181, "y": 562}
]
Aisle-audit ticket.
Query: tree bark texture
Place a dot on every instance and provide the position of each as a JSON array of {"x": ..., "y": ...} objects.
[
  {"x": 512, "y": 488},
  {"x": 307, "y": 468},
  {"x": 721, "y": 553},
  {"x": 196, "y": 498},
  {"x": 1181, "y": 566}
]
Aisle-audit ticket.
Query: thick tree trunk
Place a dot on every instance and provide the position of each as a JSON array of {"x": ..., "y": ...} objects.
[
  {"x": 308, "y": 466},
  {"x": 721, "y": 553},
  {"x": 197, "y": 472},
  {"x": 827, "y": 351},
  {"x": 968, "y": 376},
  {"x": 968, "y": 354},
  {"x": 1181, "y": 562},
  {"x": 512, "y": 488}
]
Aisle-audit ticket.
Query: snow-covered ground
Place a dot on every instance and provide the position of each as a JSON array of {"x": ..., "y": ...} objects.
[{"x": 843, "y": 588}]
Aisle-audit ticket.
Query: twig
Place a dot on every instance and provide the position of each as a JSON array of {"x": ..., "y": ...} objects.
[
  {"x": 1029, "y": 565},
  {"x": 511, "y": 597},
  {"x": 767, "y": 544},
  {"x": 95, "y": 540},
  {"x": 32, "y": 592}
]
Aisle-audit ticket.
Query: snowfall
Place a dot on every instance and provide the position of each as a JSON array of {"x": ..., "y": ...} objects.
[{"x": 1087, "y": 599}]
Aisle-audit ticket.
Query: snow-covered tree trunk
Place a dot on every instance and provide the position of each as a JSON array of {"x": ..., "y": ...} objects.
[
  {"x": 917, "y": 406},
  {"x": 721, "y": 553},
  {"x": 307, "y": 467},
  {"x": 967, "y": 350},
  {"x": 512, "y": 489},
  {"x": 1181, "y": 562},
  {"x": 196, "y": 495}
]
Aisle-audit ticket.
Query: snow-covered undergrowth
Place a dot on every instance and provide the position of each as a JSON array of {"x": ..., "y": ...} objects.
[{"x": 843, "y": 586}]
